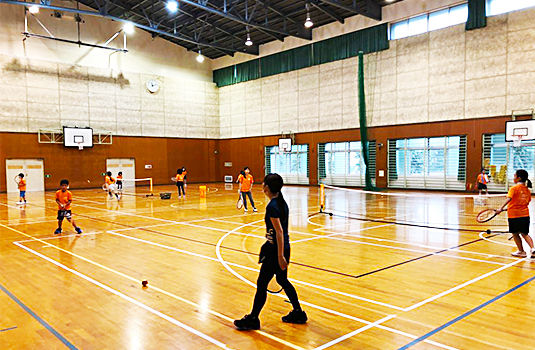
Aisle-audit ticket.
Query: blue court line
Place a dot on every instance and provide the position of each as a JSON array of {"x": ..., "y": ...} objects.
[
  {"x": 39, "y": 319},
  {"x": 466, "y": 314},
  {"x": 8, "y": 329}
]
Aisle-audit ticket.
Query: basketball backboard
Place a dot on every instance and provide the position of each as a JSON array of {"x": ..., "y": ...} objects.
[
  {"x": 520, "y": 130},
  {"x": 285, "y": 145},
  {"x": 77, "y": 137}
]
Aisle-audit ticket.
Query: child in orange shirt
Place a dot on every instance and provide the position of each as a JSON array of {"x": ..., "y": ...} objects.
[
  {"x": 482, "y": 181},
  {"x": 64, "y": 200},
  {"x": 119, "y": 181},
  {"x": 180, "y": 182},
  {"x": 517, "y": 203},
  {"x": 110, "y": 185},
  {"x": 246, "y": 185},
  {"x": 22, "y": 189}
]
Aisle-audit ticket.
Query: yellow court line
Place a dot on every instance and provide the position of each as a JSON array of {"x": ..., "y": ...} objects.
[{"x": 174, "y": 296}]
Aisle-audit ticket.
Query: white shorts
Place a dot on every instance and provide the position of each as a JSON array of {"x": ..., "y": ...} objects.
[{"x": 112, "y": 187}]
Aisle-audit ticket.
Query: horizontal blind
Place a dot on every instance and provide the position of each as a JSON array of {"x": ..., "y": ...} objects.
[
  {"x": 291, "y": 166},
  {"x": 342, "y": 163},
  {"x": 427, "y": 163}
]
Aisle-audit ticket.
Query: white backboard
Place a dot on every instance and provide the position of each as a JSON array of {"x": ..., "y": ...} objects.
[
  {"x": 285, "y": 145},
  {"x": 525, "y": 128},
  {"x": 72, "y": 136}
]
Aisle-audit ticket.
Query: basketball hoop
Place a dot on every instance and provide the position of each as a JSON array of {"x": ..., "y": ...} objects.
[
  {"x": 80, "y": 146},
  {"x": 517, "y": 140}
]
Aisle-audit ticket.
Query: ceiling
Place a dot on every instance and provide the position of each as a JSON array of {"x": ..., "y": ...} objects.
[{"x": 220, "y": 27}]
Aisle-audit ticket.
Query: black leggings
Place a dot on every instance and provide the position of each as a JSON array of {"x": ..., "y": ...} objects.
[
  {"x": 244, "y": 196},
  {"x": 269, "y": 268},
  {"x": 180, "y": 186}
]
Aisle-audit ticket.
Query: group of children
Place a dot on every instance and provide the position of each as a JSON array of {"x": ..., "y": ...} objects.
[{"x": 114, "y": 186}]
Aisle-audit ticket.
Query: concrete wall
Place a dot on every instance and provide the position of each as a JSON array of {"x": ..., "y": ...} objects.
[
  {"x": 46, "y": 84},
  {"x": 448, "y": 74}
]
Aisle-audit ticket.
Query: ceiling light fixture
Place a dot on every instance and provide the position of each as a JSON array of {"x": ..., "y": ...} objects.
[
  {"x": 248, "y": 42},
  {"x": 128, "y": 28},
  {"x": 308, "y": 22},
  {"x": 200, "y": 57},
  {"x": 172, "y": 6}
]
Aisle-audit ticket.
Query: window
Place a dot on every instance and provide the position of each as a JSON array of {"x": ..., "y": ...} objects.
[
  {"x": 292, "y": 166},
  {"x": 431, "y": 21},
  {"x": 497, "y": 7},
  {"x": 502, "y": 159},
  {"x": 427, "y": 163},
  {"x": 342, "y": 163}
]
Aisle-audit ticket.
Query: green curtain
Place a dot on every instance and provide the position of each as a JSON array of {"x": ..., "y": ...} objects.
[
  {"x": 363, "y": 125},
  {"x": 246, "y": 71},
  {"x": 224, "y": 76},
  {"x": 286, "y": 61},
  {"x": 322, "y": 171},
  {"x": 477, "y": 14},
  {"x": 349, "y": 45}
]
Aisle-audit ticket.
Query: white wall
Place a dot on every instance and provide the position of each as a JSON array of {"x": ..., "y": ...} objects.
[
  {"x": 446, "y": 74},
  {"x": 46, "y": 84}
]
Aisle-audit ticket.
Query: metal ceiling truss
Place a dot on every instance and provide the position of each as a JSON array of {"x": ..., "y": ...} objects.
[{"x": 219, "y": 27}]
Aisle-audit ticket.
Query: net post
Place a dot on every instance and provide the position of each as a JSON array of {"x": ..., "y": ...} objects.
[
  {"x": 150, "y": 181},
  {"x": 322, "y": 197}
]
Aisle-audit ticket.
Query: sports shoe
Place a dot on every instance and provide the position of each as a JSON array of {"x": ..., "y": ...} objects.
[
  {"x": 58, "y": 231},
  {"x": 78, "y": 230},
  {"x": 247, "y": 323},
  {"x": 295, "y": 316},
  {"x": 533, "y": 253},
  {"x": 245, "y": 210},
  {"x": 20, "y": 203},
  {"x": 519, "y": 254},
  {"x": 255, "y": 210}
]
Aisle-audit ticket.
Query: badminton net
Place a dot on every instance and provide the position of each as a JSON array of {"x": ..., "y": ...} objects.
[
  {"x": 430, "y": 210},
  {"x": 137, "y": 187}
]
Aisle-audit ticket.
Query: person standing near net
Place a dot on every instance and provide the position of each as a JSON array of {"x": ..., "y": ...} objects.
[
  {"x": 110, "y": 185},
  {"x": 482, "y": 181},
  {"x": 274, "y": 257},
  {"x": 517, "y": 203},
  {"x": 180, "y": 183},
  {"x": 246, "y": 185}
]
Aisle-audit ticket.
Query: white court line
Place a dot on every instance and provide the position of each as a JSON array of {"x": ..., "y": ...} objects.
[
  {"x": 57, "y": 237},
  {"x": 130, "y": 299},
  {"x": 352, "y": 334},
  {"x": 11, "y": 206},
  {"x": 337, "y": 234},
  {"x": 333, "y": 312},
  {"x": 482, "y": 235},
  {"x": 256, "y": 270},
  {"x": 449, "y": 291}
]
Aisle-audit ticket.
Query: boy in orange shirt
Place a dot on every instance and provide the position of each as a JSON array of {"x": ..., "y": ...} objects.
[
  {"x": 64, "y": 200},
  {"x": 246, "y": 185},
  {"x": 110, "y": 185},
  {"x": 517, "y": 203},
  {"x": 482, "y": 181},
  {"x": 22, "y": 189},
  {"x": 180, "y": 177}
]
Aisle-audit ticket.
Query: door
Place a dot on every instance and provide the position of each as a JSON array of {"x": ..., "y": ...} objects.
[
  {"x": 126, "y": 165},
  {"x": 34, "y": 172}
]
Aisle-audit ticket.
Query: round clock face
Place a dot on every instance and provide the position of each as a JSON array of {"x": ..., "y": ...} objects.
[{"x": 153, "y": 85}]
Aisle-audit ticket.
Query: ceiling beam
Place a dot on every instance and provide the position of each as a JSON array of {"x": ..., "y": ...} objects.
[
  {"x": 328, "y": 12},
  {"x": 239, "y": 20},
  {"x": 121, "y": 20},
  {"x": 371, "y": 9},
  {"x": 276, "y": 10}
]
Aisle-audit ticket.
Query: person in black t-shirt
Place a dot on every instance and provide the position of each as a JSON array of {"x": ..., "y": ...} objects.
[{"x": 274, "y": 257}]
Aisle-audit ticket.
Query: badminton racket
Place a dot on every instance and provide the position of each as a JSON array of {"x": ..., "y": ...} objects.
[
  {"x": 487, "y": 215},
  {"x": 239, "y": 203}
]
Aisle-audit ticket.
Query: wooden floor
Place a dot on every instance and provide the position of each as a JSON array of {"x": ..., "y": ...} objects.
[{"x": 364, "y": 285}]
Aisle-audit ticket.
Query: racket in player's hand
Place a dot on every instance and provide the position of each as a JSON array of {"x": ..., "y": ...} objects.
[
  {"x": 239, "y": 203},
  {"x": 488, "y": 214},
  {"x": 274, "y": 287},
  {"x": 17, "y": 179}
]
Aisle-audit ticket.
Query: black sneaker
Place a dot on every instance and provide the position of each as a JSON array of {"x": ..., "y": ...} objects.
[
  {"x": 296, "y": 316},
  {"x": 78, "y": 230},
  {"x": 247, "y": 323},
  {"x": 58, "y": 231}
]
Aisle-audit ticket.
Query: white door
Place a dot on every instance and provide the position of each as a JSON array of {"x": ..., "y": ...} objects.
[
  {"x": 33, "y": 170},
  {"x": 126, "y": 165}
]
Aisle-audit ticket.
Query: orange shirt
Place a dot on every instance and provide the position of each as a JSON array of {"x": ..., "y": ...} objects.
[
  {"x": 22, "y": 185},
  {"x": 119, "y": 177},
  {"x": 246, "y": 182},
  {"x": 518, "y": 206},
  {"x": 64, "y": 198},
  {"x": 109, "y": 180},
  {"x": 483, "y": 179},
  {"x": 180, "y": 177}
]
